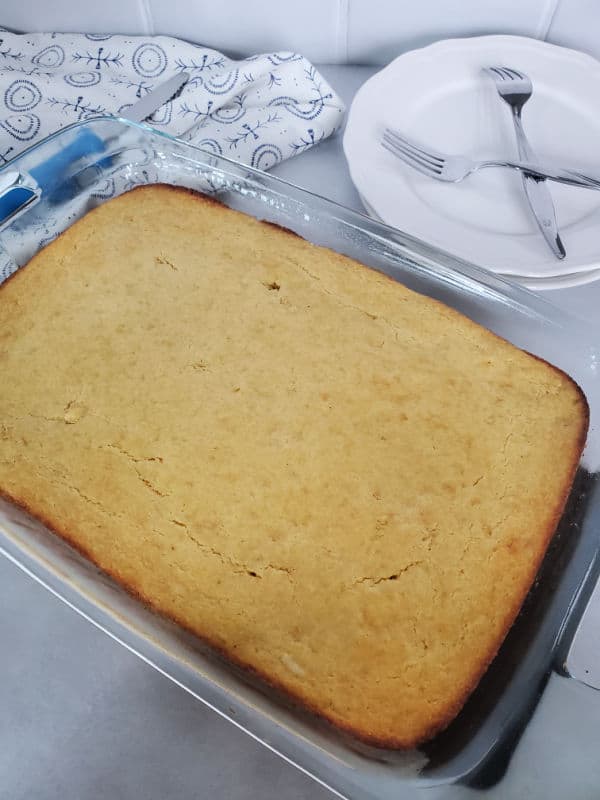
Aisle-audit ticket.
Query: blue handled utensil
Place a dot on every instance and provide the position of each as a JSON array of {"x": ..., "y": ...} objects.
[
  {"x": 18, "y": 192},
  {"x": 49, "y": 173}
]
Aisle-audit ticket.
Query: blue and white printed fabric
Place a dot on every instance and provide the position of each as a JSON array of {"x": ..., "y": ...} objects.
[{"x": 259, "y": 111}]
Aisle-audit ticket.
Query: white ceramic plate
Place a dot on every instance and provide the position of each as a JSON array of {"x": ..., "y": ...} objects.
[
  {"x": 565, "y": 281},
  {"x": 439, "y": 96}
]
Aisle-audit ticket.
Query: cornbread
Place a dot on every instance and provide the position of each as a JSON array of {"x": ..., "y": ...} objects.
[{"x": 343, "y": 486}]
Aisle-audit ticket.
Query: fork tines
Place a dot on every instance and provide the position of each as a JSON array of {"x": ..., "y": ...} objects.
[
  {"x": 506, "y": 73},
  {"x": 423, "y": 160}
]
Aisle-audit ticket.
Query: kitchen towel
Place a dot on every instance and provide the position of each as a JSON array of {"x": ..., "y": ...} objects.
[{"x": 259, "y": 111}]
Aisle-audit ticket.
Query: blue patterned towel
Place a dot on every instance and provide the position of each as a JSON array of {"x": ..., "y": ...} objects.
[{"x": 259, "y": 111}]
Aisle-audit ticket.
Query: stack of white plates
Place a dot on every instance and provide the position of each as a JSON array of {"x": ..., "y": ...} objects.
[{"x": 440, "y": 97}]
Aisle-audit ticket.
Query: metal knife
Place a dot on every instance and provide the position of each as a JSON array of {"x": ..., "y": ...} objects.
[
  {"x": 540, "y": 199},
  {"x": 49, "y": 173},
  {"x": 18, "y": 192}
]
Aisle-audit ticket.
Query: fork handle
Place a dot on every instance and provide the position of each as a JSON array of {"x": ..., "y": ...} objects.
[
  {"x": 525, "y": 150},
  {"x": 571, "y": 177}
]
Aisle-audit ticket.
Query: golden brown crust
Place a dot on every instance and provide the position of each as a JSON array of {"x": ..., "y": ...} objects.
[{"x": 344, "y": 675}]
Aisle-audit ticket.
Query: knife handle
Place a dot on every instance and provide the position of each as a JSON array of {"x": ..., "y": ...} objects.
[{"x": 50, "y": 173}]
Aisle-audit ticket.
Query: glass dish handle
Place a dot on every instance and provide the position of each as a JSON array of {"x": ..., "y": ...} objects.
[{"x": 581, "y": 657}]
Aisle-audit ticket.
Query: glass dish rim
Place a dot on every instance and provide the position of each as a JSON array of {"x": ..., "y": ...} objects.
[{"x": 511, "y": 291}]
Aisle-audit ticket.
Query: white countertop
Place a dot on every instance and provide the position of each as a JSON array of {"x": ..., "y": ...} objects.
[{"x": 83, "y": 718}]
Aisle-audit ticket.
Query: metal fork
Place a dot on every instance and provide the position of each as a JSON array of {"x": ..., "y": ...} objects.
[
  {"x": 515, "y": 88},
  {"x": 455, "y": 168}
]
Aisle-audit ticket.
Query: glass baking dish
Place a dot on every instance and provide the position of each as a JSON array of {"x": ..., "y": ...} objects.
[{"x": 64, "y": 177}]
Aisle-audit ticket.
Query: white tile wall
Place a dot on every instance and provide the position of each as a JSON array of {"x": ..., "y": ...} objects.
[
  {"x": 326, "y": 31},
  {"x": 576, "y": 23},
  {"x": 316, "y": 28},
  {"x": 68, "y": 16},
  {"x": 311, "y": 27},
  {"x": 379, "y": 31}
]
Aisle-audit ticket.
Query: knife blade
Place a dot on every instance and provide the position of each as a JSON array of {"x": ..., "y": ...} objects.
[
  {"x": 544, "y": 213},
  {"x": 156, "y": 98}
]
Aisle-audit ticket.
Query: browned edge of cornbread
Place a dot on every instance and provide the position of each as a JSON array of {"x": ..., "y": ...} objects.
[{"x": 370, "y": 738}]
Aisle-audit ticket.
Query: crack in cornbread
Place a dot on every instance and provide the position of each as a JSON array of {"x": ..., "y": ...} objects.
[{"x": 342, "y": 485}]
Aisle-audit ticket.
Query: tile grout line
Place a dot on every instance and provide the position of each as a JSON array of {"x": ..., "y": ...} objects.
[
  {"x": 546, "y": 19},
  {"x": 342, "y": 31},
  {"x": 147, "y": 17}
]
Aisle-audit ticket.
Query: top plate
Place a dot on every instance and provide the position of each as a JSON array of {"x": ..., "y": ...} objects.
[{"x": 440, "y": 96}]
